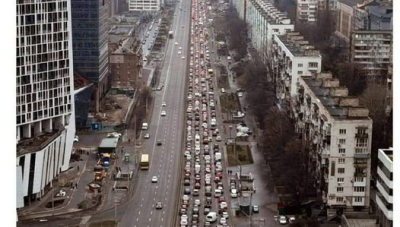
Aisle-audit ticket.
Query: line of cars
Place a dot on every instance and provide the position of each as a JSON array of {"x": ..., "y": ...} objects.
[{"x": 203, "y": 192}]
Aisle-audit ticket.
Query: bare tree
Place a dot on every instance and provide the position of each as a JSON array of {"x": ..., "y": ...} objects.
[
  {"x": 375, "y": 99},
  {"x": 238, "y": 32},
  {"x": 351, "y": 76}
]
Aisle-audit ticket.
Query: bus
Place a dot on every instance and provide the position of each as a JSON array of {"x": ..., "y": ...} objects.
[{"x": 144, "y": 162}]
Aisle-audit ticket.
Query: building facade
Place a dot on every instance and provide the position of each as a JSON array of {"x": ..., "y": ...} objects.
[
  {"x": 338, "y": 133},
  {"x": 89, "y": 32},
  {"x": 265, "y": 21},
  {"x": 45, "y": 96},
  {"x": 144, "y": 5},
  {"x": 125, "y": 64},
  {"x": 384, "y": 196},
  {"x": 345, "y": 19},
  {"x": 307, "y": 11},
  {"x": 240, "y": 6},
  {"x": 292, "y": 57},
  {"x": 372, "y": 50}
]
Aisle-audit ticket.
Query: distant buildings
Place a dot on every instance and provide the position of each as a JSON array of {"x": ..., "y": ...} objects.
[
  {"x": 266, "y": 21},
  {"x": 147, "y": 5},
  {"x": 307, "y": 11},
  {"x": 44, "y": 96},
  {"x": 338, "y": 132},
  {"x": 89, "y": 32},
  {"x": 344, "y": 20},
  {"x": 292, "y": 57},
  {"x": 384, "y": 196}
]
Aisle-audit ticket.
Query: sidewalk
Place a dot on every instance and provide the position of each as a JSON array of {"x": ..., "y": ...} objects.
[{"x": 73, "y": 197}]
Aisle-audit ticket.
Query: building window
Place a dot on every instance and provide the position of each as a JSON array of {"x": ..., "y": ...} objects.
[
  {"x": 342, "y": 141},
  {"x": 313, "y": 65},
  {"x": 359, "y": 179},
  {"x": 300, "y": 65},
  {"x": 342, "y": 150},
  {"x": 342, "y": 131},
  {"x": 340, "y": 170},
  {"x": 362, "y": 142},
  {"x": 300, "y": 72},
  {"x": 340, "y": 179},
  {"x": 339, "y": 199},
  {"x": 339, "y": 189},
  {"x": 358, "y": 199},
  {"x": 359, "y": 189},
  {"x": 342, "y": 160}
]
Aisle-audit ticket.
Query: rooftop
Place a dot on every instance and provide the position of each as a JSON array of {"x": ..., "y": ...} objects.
[
  {"x": 109, "y": 142},
  {"x": 297, "y": 45},
  {"x": 351, "y": 2},
  {"x": 388, "y": 153},
  {"x": 335, "y": 98},
  {"x": 128, "y": 45},
  {"x": 122, "y": 30},
  {"x": 37, "y": 143},
  {"x": 272, "y": 14}
]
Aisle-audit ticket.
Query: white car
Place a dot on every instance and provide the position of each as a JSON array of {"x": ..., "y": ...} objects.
[
  {"x": 154, "y": 179},
  {"x": 164, "y": 104},
  {"x": 282, "y": 220},
  {"x": 76, "y": 139},
  {"x": 225, "y": 215},
  {"x": 163, "y": 113},
  {"x": 176, "y": 43},
  {"x": 240, "y": 94},
  {"x": 180, "y": 48},
  {"x": 179, "y": 52},
  {"x": 229, "y": 58},
  {"x": 234, "y": 193},
  {"x": 222, "y": 221},
  {"x": 183, "y": 57},
  {"x": 222, "y": 90},
  {"x": 147, "y": 136},
  {"x": 218, "y": 139},
  {"x": 61, "y": 193},
  {"x": 114, "y": 135}
]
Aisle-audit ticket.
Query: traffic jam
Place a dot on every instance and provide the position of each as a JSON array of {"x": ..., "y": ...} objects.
[{"x": 203, "y": 201}]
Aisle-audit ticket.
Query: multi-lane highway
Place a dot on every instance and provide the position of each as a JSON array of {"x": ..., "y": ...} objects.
[{"x": 164, "y": 160}]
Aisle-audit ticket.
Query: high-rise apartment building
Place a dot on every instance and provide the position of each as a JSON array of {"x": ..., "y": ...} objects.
[
  {"x": 292, "y": 57},
  {"x": 307, "y": 11},
  {"x": 144, "y": 5},
  {"x": 90, "y": 48},
  {"x": 265, "y": 21},
  {"x": 384, "y": 196},
  {"x": 45, "y": 100},
  {"x": 338, "y": 134}
]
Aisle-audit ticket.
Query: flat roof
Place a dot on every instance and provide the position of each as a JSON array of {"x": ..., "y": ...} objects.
[
  {"x": 296, "y": 51},
  {"x": 109, "y": 143},
  {"x": 361, "y": 222}
]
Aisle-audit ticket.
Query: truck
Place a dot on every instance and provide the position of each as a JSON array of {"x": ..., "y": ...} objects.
[{"x": 171, "y": 34}]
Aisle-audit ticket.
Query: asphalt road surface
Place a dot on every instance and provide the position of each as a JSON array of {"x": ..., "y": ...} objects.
[{"x": 164, "y": 160}]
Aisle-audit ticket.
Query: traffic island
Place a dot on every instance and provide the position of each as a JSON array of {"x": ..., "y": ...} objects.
[
  {"x": 229, "y": 102},
  {"x": 243, "y": 155},
  {"x": 108, "y": 223}
]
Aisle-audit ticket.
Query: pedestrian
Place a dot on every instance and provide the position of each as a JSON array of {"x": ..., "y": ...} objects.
[
  {"x": 76, "y": 185},
  {"x": 129, "y": 140},
  {"x": 78, "y": 168},
  {"x": 120, "y": 169}
]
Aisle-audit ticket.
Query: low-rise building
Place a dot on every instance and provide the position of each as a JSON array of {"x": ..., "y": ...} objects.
[
  {"x": 139, "y": 5},
  {"x": 337, "y": 132},
  {"x": 291, "y": 58},
  {"x": 265, "y": 21},
  {"x": 384, "y": 196},
  {"x": 126, "y": 64},
  {"x": 307, "y": 11}
]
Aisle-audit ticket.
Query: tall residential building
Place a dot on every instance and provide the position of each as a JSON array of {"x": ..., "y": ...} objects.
[
  {"x": 292, "y": 57},
  {"x": 372, "y": 50},
  {"x": 89, "y": 33},
  {"x": 307, "y": 11},
  {"x": 344, "y": 20},
  {"x": 45, "y": 96},
  {"x": 264, "y": 22},
  {"x": 384, "y": 196},
  {"x": 338, "y": 134},
  {"x": 144, "y": 5}
]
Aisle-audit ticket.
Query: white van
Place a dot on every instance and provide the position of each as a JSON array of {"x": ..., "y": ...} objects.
[
  {"x": 211, "y": 217},
  {"x": 217, "y": 193},
  {"x": 145, "y": 126},
  {"x": 218, "y": 156}
]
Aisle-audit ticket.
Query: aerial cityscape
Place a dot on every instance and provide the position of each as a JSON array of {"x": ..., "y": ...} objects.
[{"x": 164, "y": 113}]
